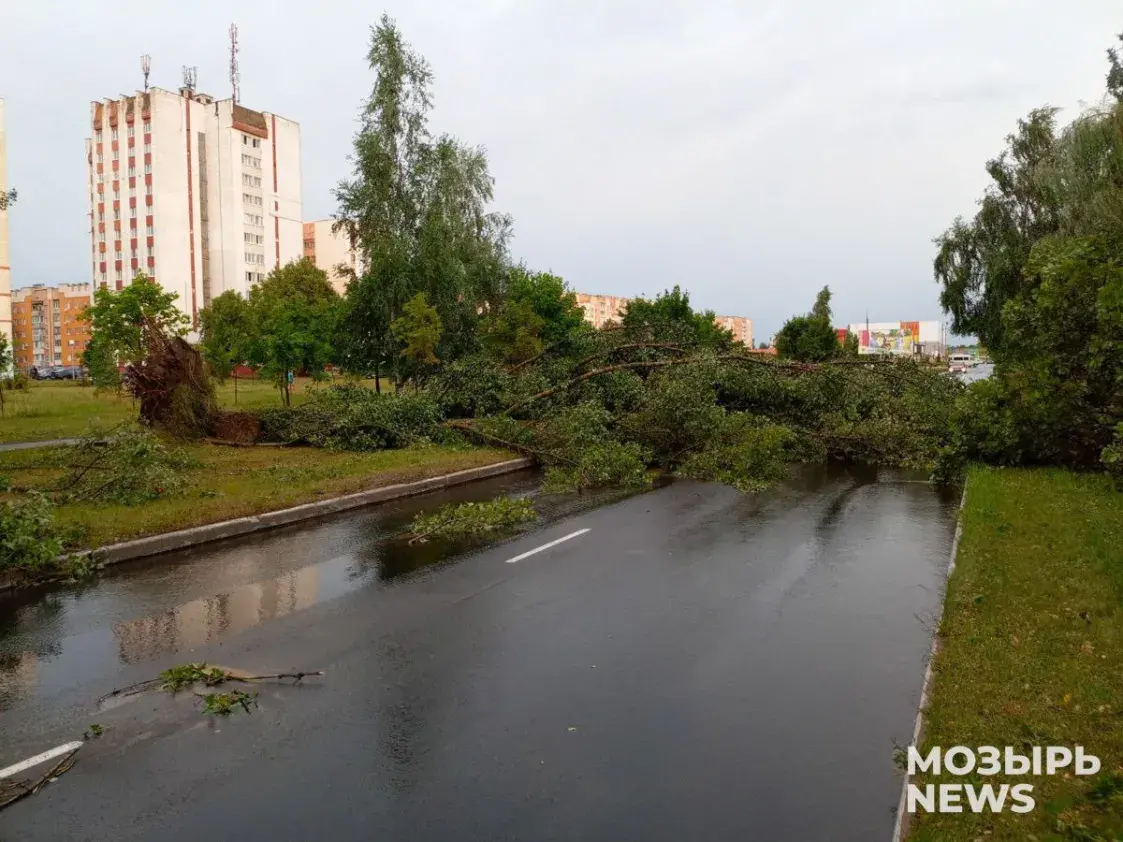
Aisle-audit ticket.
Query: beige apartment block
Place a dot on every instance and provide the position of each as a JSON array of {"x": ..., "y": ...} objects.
[
  {"x": 202, "y": 195},
  {"x": 601, "y": 309},
  {"x": 331, "y": 252}
]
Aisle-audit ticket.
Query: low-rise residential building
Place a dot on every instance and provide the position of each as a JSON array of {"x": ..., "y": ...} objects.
[
  {"x": 47, "y": 325},
  {"x": 331, "y": 252}
]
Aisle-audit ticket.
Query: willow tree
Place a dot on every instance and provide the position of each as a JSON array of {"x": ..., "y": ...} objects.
[{"x": 979, "y": 262}]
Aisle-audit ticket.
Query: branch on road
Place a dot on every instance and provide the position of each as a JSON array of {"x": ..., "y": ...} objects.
[{"x": 19, "y": 790}]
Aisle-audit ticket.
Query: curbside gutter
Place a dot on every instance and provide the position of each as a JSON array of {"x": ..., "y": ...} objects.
[
  {"x": 900, "y": 827},
  {"x": 181, "y": 539}
]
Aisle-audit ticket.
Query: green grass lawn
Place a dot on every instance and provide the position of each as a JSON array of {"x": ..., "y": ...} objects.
[
  {"x": 52, "y": 409},
  {"x": 1032, "y": 650},
  {"x": 233, "y": 482}
]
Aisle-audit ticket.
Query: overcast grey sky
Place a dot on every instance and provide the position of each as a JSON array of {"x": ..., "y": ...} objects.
[{"x": 749, "y": 151}]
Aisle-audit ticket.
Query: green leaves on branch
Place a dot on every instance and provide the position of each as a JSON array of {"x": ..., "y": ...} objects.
[
  {"x": 29, "y": 540},
  {"x": 128, "y": 465},
  {"x": 743, "y": 452},
  {"x": 472, "y": 519},
  {"x": 352, "y": 417}
]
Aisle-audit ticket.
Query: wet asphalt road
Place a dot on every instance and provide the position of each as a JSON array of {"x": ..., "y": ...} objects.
[{"x": 698, "y": 665}]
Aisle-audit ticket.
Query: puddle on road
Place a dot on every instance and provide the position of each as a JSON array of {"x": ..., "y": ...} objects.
[{"x": 55, "y": 638}]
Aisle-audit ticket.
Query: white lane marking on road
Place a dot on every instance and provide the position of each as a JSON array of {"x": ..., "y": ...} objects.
[
  {"x": 529, "y": 553},
  {"x": 50, "y": 754}
]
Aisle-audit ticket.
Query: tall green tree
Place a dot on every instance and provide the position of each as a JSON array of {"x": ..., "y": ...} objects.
[
  {"x": 811, "y": 337},
  {"x": 8, "y": 198},
  {"x": 226, "y": 329},
  {"x": 118, "y": 323},
  {"x": 293, "y": 322},
  {"x": 415, "y": 209},
  {"x": 979, "y": 262}
]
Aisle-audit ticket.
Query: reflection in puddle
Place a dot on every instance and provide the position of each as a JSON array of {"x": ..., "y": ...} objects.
[
  {"x": 56, "y": 639},
  {"x": 203, "y": 620}
]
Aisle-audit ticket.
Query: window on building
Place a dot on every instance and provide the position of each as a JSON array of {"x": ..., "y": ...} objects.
[
  {"x": 100, "y": 160},
  {"x": 148, "y": 149},
  {"x": 148, "y": 189},
  {"x": 147, "y": 169},
  {"x": 116, "y": 154},
  {"x": 118, "y": 254},
  {"x": 132, "y": 171},
  {"x": 116, "y": 215},
  {"x": 150, "y": 231},
  {"x": 147, "y": 127},
  {"x": 114, "y": 134},
  {"x": 257, "y": 143},
  {"x": 97, "y": 136}
]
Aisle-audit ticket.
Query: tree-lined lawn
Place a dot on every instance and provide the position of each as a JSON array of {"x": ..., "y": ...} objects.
[
  {"x": 65, "y": 409},
  {"x": 1032, "y": 650},
  {"x": 229, "y": 482}
]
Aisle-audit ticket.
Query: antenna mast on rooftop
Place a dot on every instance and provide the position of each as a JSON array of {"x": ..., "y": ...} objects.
[
  {"x": 190, "y": 77},
  {"x": 235, "y": 75},
  {"x": 146, "y": 68}
]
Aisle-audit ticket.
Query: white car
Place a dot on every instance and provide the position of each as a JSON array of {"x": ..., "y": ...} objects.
[{"x": 959, "y": 363}]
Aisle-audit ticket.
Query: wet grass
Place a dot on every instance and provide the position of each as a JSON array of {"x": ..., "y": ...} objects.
[
  {"x": 64, "y": 409},
  {"x": 229, "y": 482},
  {"x": 1032, "y": 650}
]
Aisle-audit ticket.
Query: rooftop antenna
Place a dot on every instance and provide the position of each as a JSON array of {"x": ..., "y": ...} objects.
[
  {"x": 235, "y": 75},
  {"x": 190, "y": 75},
  {"x": 146, "y": 68}
]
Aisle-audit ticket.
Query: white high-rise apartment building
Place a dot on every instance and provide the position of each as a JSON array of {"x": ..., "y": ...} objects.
[
  {"x": 202, "y": 195},
  {"x": 5, "y": 268}
]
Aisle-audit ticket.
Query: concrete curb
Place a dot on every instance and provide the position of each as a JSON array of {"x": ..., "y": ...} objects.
[
  {"x": 183, "y": 538},
  {"x": 900, "y": 827}
]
